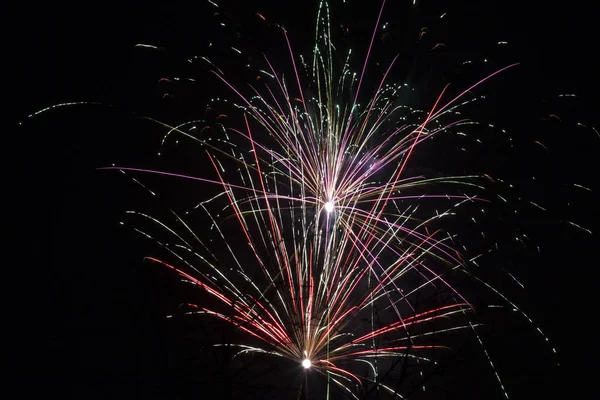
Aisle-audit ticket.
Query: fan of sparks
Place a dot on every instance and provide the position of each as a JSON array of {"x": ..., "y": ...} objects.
[{"x": 319, "y": 224}]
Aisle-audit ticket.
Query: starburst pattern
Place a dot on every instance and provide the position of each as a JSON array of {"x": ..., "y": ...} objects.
[{"x": 320, "y": 240}]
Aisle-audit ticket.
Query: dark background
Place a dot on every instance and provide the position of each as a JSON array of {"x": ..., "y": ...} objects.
[{"x": 96, "y": 312}]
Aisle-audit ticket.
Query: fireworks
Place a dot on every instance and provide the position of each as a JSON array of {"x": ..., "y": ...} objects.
[{"x": 317, "y": 241}]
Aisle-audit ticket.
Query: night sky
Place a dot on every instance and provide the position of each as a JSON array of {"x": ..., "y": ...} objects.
[{"x": 98, "y": 312}]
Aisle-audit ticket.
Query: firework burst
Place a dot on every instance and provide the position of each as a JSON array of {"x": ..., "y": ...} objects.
[
  {"x": 321, "y": 247},
  {"x": 320, "y": 201}
]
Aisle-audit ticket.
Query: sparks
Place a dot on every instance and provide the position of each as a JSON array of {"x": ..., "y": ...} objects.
[{"x": 298, "y": 283}]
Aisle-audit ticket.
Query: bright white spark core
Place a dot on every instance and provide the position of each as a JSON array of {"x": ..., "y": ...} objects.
[
  {"x": 329, "y": 206},
  {"x": 306, "y": 363}
]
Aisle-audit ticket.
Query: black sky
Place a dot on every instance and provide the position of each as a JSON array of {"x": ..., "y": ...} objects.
[{"x": 97, "y": 310}]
